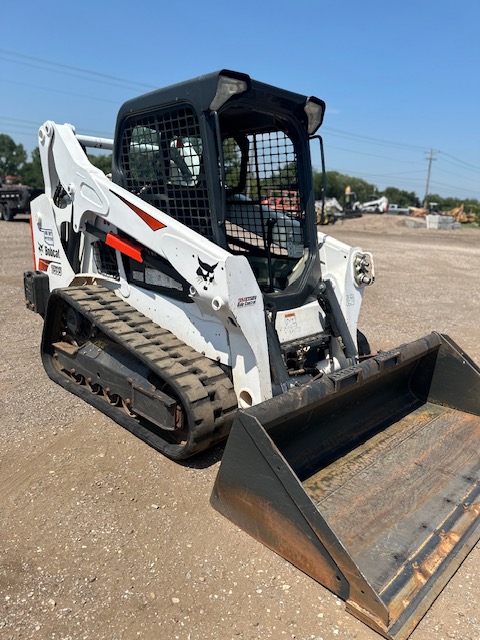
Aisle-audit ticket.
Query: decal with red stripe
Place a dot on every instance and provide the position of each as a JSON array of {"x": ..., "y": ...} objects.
[{"x": 152, "y": 222}]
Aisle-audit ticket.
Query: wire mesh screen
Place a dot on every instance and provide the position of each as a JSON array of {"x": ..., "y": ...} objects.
[
  {"x": 264, "y": 207},
  {"x": 105, "y": 259},
  {"x": 162, "y": 163}
]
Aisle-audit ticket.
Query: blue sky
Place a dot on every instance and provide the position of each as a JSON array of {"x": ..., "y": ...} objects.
[{"x": 399, "y": 78}]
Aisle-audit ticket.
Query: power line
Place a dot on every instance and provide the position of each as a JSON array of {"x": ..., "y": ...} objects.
[
  {"x": 36, "y": 62},
  {"x": 451, "y": 173},
  {"x": 108, "y": 79},
  {"x": 455, "y": 188},
  {"x": 34, "y": 126},
  {"x": 371, "y": 140},
  {"x": 382, "y": 142},
  {"x": 461, "y": 162},
  {"x": 49, "y": 89},
  {"x": 370, "y": 155}
]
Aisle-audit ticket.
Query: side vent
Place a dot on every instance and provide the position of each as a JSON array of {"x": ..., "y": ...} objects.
[{"x": 105, "y": 260}]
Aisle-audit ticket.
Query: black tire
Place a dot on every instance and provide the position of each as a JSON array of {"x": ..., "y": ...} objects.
[
  {"x": 7, "y": 213},
  {"x": 2, "y": 211}
]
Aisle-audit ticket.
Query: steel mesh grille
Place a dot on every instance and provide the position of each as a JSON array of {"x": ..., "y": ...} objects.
[
  {"x": 105, "y": 259},
  {"x": 162, "y": 163},
  {"x": 265, "y": 215}
]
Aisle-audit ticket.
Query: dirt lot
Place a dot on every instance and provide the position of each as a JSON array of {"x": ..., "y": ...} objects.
[{"x": 102, "y": 537}]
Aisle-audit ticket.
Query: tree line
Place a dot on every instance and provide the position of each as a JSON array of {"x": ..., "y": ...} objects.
[{"x": 14, "y": 162}]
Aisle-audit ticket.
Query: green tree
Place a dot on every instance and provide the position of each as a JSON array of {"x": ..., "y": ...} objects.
[
  {"x": 336, "y": 183},
  {"x": 32, "y": 174},
  {"x": 284, "y": 178},
  {"x": 12, "y": 156},
  {"x": 102, "y": 162},
  {"x": 402, "y": 198},
  {"x": 232, "y": 160}
]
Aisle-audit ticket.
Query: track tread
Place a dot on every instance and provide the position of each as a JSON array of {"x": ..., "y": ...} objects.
[{"x": 209, "y": 392}]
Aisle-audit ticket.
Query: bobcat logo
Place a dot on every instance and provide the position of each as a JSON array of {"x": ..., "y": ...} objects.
[{"x": 205, "y": 273}]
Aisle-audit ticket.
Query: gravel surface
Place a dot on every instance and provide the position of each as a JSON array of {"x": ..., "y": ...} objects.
[{"x": 104, "y": 538}]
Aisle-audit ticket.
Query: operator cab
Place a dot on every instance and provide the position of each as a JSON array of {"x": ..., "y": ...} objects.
[{"x": 229, "y": 157}]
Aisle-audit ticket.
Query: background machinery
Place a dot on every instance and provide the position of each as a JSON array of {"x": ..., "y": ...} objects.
[
  {"x": 375, "y": 205},
  {"x": 15, "y": 198},
  {"x": 184, "y": 305}
]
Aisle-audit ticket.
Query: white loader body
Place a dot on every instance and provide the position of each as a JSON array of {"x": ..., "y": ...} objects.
[{"x": 226, "y": 323}]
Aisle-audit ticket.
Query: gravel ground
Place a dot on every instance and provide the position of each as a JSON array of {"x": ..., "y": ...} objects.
[{"x": 103, "y": 538}]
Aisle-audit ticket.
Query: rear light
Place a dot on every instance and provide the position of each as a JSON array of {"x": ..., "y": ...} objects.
[{"x": 43, "y": 264}]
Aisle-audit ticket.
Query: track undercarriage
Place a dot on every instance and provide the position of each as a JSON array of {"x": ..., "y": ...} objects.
[{"x": 143, "y": 377}]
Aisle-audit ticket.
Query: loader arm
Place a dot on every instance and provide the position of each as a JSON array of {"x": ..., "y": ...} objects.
[{"x": 97, "y": 208}]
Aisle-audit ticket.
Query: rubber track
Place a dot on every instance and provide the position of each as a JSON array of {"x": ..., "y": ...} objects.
[{"x": 211, "y": 399}]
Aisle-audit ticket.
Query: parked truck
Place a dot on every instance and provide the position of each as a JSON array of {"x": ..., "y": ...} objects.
[{"x": 15, "y": 199}]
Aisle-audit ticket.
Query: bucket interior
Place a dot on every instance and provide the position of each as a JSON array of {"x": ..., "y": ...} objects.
[{"x": 387, "y": 461}]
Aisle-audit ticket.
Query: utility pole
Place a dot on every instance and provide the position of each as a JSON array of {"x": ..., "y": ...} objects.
[{"x": 430, "y": 159}]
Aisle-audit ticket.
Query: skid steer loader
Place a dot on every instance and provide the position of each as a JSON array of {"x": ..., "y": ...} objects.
[{"x": 184, "y": 305}]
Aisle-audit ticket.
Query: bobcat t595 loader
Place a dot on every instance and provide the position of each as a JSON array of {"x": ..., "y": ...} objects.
[{"x": 180, "y": 301}]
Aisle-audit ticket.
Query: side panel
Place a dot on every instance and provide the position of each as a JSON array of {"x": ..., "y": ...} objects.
[
  {"x": 49, "y": 253},
  {"x": 350, "y": 270}
]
